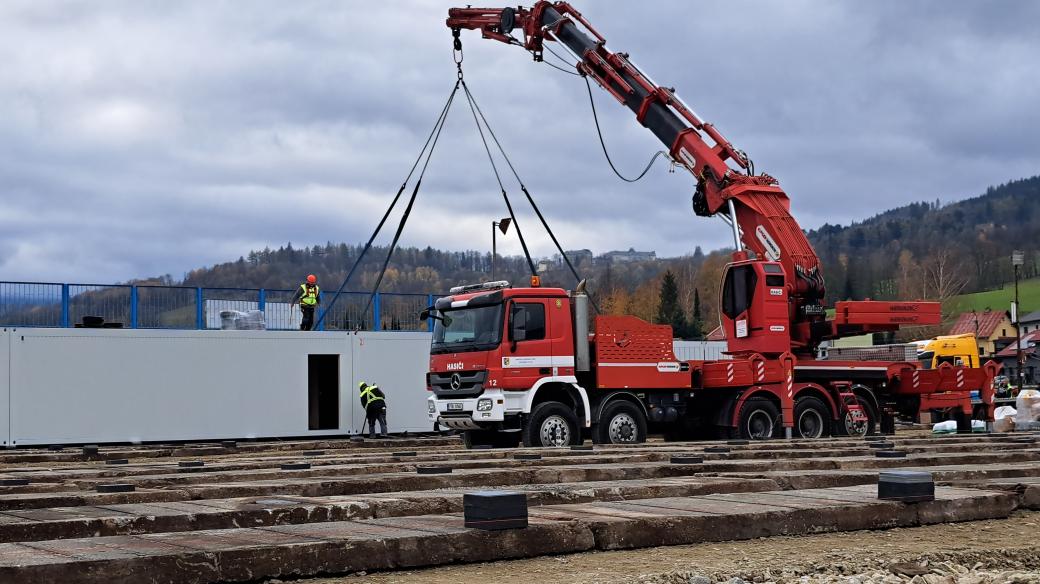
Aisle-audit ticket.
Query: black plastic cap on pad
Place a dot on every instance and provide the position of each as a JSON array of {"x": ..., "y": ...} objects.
[
  {"x": 115, "y": 488},
  {"x": 433, "y": 469},
  {"x": 890, "y": 454},
  {"x": 495, "y": 510},
  {"x": 906, "y": 486},
  {"x": 296, "y": 466}
]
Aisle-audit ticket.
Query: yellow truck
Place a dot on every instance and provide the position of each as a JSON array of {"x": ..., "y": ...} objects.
[{"x": 952, "y": 349}]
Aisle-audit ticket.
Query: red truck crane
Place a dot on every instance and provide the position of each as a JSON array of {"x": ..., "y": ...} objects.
[{"x": 523, "y": 364}]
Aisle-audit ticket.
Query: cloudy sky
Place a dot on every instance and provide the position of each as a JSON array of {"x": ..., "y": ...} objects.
[{"x": 140, "y": 138}]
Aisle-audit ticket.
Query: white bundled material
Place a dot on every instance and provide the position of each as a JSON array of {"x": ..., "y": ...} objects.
[
  {"x": 950, "y": 426},
  {"x": 1028, "y": 409},
  {"x": 236, "y": 320},
  {"x": 1004, "y": 419}
]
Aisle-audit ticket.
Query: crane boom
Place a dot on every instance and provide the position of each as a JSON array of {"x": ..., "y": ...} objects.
[{"x": 754, "y": 205}]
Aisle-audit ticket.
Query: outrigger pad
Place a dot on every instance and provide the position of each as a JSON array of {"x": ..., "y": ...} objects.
[
  {"x": 908, "y": 486},
  {"x": 495, "y": 510}
]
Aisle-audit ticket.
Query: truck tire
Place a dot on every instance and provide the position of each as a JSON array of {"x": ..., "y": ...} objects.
[
  {"x": 846, "y": 428},
  {"x": 620, "y": 422},
  {"x": 812, "y": 418},
  {"x": 758, "y": 420},
  {"x": 551, "y": 424}
]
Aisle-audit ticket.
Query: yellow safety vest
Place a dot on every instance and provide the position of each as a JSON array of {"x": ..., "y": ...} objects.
[
  {"x": 369, "y": 396},
  {"x": 310, "y": 295}
]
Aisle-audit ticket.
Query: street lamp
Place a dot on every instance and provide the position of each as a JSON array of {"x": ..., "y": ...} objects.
[
  {"x": 1017, "y": 259},
  {"x": 502, "y": 225}
]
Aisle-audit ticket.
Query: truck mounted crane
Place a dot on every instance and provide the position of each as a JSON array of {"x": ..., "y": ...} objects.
[{"x": 555, "y": 374}]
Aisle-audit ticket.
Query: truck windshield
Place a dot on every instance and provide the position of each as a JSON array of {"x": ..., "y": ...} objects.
[{"x": 468, "y": 329}]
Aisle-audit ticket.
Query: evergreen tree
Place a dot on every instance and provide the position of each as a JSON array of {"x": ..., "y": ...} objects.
[
  {"x": 695, "y": 330},
  {"x": 668, "y": 310}
]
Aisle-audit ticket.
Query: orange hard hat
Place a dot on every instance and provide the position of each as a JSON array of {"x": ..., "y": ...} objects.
[{"x": 312, "y": 279}]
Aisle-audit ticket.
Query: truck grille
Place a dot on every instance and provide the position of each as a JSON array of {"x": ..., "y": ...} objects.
[{"x": 466, "y": 383}]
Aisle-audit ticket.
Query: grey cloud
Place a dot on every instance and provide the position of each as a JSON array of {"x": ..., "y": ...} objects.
[{"x": 143, "y": 138}]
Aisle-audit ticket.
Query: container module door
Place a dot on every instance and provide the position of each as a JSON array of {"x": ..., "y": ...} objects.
[{"x": 528, "y": 356}]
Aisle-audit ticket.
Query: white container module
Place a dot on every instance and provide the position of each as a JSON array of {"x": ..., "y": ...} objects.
[{"x": 69, "y": 386}]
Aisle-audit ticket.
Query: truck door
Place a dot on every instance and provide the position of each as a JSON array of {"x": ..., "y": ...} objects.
[{"x": 528, "y": 354}]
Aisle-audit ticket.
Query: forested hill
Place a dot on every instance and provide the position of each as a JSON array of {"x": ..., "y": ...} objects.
[
  {"x": 932, "y": 250},
  {"x": 921, "y": 250}
]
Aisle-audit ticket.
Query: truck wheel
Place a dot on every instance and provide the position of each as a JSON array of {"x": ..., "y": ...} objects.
[
  {"x": 620, "y": 422},
  {"x": 812, "y": 418},
  {"x": 551, "y": 424},
  {"x": 847, "y": 428},
  {"x": 758, "y": 419}
]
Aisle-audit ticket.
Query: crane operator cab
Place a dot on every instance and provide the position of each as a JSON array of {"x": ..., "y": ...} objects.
[{"x": 754, "y": 308}]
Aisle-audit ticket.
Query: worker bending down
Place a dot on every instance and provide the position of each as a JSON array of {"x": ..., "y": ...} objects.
[
  {"x": 374, "y": 401},
  {"x": 309, "y": 297}
]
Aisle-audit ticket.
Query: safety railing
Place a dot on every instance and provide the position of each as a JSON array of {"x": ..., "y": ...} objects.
[{"x": 49, "y": 304}]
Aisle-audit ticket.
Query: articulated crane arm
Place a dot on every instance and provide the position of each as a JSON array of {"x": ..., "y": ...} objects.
[{"x": 755, "y": 206}]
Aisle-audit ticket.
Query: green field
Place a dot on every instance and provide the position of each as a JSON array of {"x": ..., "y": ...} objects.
[{"x": 1028, "y": 295}]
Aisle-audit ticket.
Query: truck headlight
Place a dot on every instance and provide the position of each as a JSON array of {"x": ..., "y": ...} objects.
[
  {"x": 484, "y": 405},
  {"x": 431, "y": 407}
]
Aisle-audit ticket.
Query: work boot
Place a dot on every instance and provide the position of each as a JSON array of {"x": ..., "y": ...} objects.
[
  {"x": 372, "y": 436},
  {"x": 384, "y": 435}
]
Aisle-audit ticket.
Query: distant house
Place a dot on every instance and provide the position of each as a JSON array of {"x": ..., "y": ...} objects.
[
  {"x": 578, "y": 256},
  {"x": 1030, "y": 356},
  {"x": 619, "y": 257},
  {"x": 1030, "y": 322},
  {"x": 992, "y": 329},
  {"x": 545, "y": 266}
]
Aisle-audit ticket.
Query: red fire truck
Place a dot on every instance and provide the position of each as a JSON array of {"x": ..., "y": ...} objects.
[{"x": 512, "y": 365}]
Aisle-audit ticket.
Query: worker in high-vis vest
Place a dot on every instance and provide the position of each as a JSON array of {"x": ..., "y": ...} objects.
[
  {"x": 374, "y": 402},
  {"x": 309, "y": 295}
]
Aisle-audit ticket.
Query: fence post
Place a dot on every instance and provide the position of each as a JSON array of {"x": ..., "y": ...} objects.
[
  {"x": 133, "y": 306},
  {"x": 65, "y": 306},
  {"x": 376, "y": 309},
  {"x": 261, "y": 301},
  {"x": 200, "y": 317},
  {"x": 429, "y": 321}
]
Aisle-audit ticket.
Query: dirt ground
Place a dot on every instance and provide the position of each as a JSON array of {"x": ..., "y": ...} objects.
[{"x": 959, "y": 552}]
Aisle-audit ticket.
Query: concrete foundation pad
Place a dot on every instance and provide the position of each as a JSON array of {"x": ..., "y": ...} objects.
[{"x": 245, "y": 554}]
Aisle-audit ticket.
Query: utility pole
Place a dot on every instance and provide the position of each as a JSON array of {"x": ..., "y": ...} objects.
[
  {"x": 503, "y": 226},
  {"x": 1017, "y": 259}
]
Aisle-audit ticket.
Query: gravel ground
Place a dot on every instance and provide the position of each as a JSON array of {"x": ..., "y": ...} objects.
[{"x": 982, "y": 552}]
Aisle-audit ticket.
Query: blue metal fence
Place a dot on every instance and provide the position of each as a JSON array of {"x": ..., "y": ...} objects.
[{"x": 49, "y": 304}]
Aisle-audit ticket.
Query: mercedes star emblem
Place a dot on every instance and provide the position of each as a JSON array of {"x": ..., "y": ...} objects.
[{"x": 456, "y": 381}]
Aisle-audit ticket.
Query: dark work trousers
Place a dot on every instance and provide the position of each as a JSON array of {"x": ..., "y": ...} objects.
[
  {"x": 308, "y": 317},
  {"x": 376, "y": 411}
]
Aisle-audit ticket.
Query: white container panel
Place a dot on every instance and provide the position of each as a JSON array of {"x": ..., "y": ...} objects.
[
  {"x": 699, "y": 350},
  {"x": 5, "y": 389},
  {"x": 96, "y": 385},
  {"x": 397, "y": 362}
]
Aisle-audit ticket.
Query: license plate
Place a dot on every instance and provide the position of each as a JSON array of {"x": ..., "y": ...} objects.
[{"x": 454, "y": 407}]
